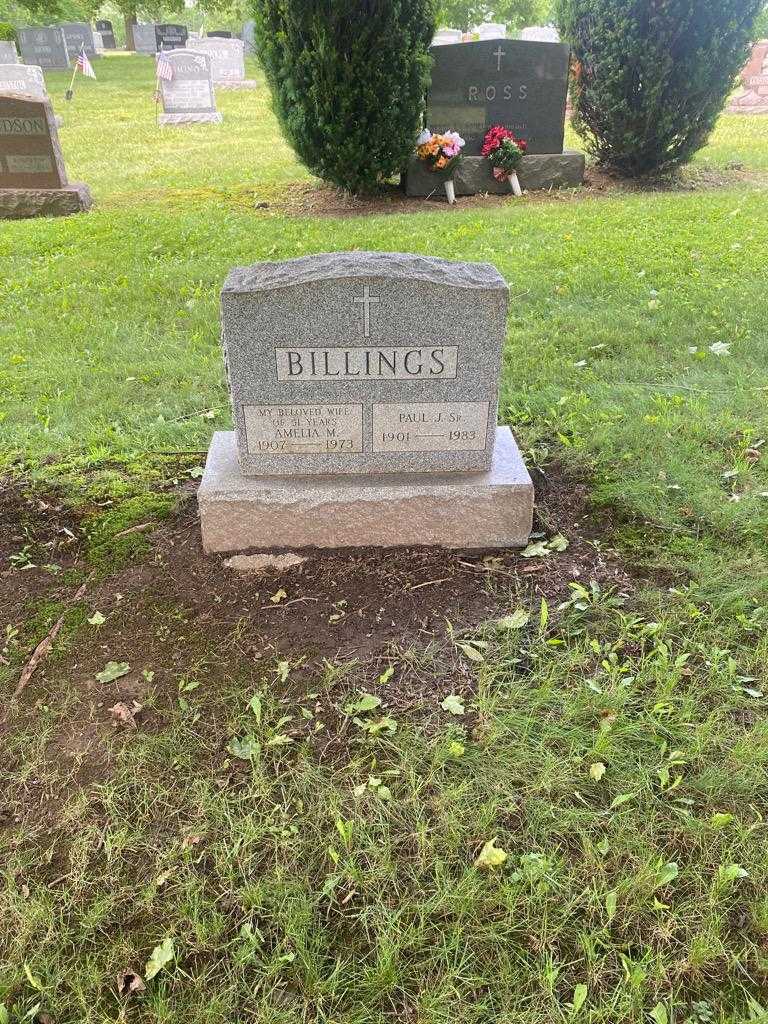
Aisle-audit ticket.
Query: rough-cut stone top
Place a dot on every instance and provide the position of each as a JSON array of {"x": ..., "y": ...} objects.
[{"x": 333, "y": 265}]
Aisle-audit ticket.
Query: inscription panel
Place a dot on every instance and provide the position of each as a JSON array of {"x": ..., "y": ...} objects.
[
  {"x": 430, "y": 427},
  {"x": 421, "y": 362},
  {"x": 304, "y": 429}
]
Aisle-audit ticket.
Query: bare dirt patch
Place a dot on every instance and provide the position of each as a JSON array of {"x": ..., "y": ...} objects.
[{"x": 339, "y": 620}]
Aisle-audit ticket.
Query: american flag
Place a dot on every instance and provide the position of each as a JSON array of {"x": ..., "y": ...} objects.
[
  {"x": 164, "y": 69},
  {"x": 84, "y": 65}
]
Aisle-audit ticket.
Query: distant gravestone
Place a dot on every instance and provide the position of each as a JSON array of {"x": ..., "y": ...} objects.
[
  {"x": 446, "y": 36},
  {"x": 219, "y": 34},
  {"x": 354, "y": 424},
  {"x": 227, "y": 62},
  {"x": 540, "y": 34},
  {"x": 8, "y": 54},
  {"x": 33, "y": 179},
  {"x": 26, "y": 80},
  {"x": 520, "y": 85},
  {"x": 753, "y": 98},
  {"x": 171, "y": 37},
  {"x": 188, "y": 95},
  {"x": 489, "y": 30},
  {"x": 45, "y": 47},
  {"x": 98, "y": 42},
  {"x": 78, "y": 36},
  {"x": 107, "y": 32},
  {"x": 249, "y": 37},
  {"x": 145, "y": 39}
]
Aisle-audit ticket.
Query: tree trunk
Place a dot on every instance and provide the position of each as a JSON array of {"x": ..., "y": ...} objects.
[{"x": 130, "y": 21}]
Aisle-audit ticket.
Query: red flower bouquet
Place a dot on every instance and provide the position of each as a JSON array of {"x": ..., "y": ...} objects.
[{"x": 504, "y": 152}]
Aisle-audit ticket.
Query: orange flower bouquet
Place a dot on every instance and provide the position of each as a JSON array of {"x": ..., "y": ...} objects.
[{"x": 441, "y": 153}]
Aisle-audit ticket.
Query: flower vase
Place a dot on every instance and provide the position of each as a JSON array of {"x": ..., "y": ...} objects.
[
  {"x": 514, "y": 183},
  {"x": 450, "y": 192}
]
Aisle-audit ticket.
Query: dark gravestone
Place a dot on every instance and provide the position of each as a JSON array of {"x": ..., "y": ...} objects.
[
  {"x": 79, "y": 36},
  {"x": 33, "y": 179},
  {"x": 219, "y": 35},
  {"x": 521, "y": 85},
  {"x": 171, "y": 37},
  {"x": 107, "y": 34},
  {"x": 45, "y": 47}
]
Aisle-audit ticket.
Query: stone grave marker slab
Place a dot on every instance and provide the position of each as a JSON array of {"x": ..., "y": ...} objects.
[
  {"x": 227, "y": 62},
  {"x": 171, "y": 37},
  {"x": 145, "y": 39},
  {"x": 220, "y": 34},
  {"x": 445, "y": 36},
  {"x": 490, "y": 30},
  {"x": 8, "y": 54},
  {"x": 33, "y": 179},
  {"x": 27, "y": 80},
  {"x": 107, "y": 32},
  {"x": 753, "y": 98},
  {"x": 521, "y": 85},
  {"x": 249, "y": 37},
  {"x": 45, "y": 47},
  {"x": 358, "y": 421},
  {"x": 79, "y": 35},
  {"x": 188, "y": 96},
  {"x": 540, "y": 34}
]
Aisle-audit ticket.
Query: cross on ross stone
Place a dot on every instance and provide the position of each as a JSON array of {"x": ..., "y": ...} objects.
[
  {"x": 498, "y": 54},
  {"x": 367, "y": 300}
]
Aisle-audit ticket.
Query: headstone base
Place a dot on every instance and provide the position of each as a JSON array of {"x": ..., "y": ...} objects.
[
  {"x": 19, "y": 203},
  {"x": 474, "y": 174},
  {"x": 243, "y": 83},
  {"x": 458, "y": 510},
  {"x": 214, "y": 118}
]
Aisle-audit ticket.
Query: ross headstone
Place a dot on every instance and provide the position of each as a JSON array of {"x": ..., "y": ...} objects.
[
  {"x": 8, "y": 54},
  {"x": 540, "y": 34},
  {"x": 219, "y": 34},
  {"x": 79, "y": 35},
  {"x": 171, "y": 37},
  {"x": 356, "y": 421},
  {"x": 33, "y": 180},
  {"x": 753, "y": 98},
  {"x": 107, "y": 32},
  {"x": 45, "y": 47},
  {"x": 520, "y": 85},
  {"x": 491, "y": 31},
  {"x": 227, "y": 62},
  {"x": 445, "y": 36},
  {"x": 188, "y": 95},
  {"x": 145, "y": 39},
  {"x": 249, "y": 37}
]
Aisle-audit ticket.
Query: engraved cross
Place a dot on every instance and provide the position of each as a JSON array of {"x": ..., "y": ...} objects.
[
  {"x": 367, "y": 300},
  {"x": 498, "y": 54}
]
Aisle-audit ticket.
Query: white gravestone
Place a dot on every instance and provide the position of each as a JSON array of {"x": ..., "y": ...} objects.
[
  {"x": 447, "y": 36},
  {"x": 25, "y": 80},
  {"x": 8, "y": 54},
  {"x": 491, "y": 31},
  {"x": 540, "y": 34},
  {"x": 227, "y": 61},
  {"x": 188, "y": 95}
]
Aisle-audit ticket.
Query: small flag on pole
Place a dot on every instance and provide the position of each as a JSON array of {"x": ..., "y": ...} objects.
[
  {"x": 85, "y": 65},
  {"x": 164, "y": 69}
]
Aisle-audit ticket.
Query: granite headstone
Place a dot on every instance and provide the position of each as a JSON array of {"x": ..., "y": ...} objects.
[
  {"x": 227, "y": 61},
  {"x": 753, "y": 98},
  {"x": 45, "y": 47},
  {"x": 8, "y": 54},
  {"x": 540, "y": 34},
  {"x": 25, "y": 80},
  {"x": 249, "y": 37},
  {"x": 171, "y": 37},
  {"x": 79, "y": 36},
  {"x": 356, "y": 421},
  {"x": 33, "y": 179},
  {"x": 107, "y": 33},
  {"x": 445, "y": 36},
  {"x": 219, "y": 34},
  {"x": 490, "y": 30},
  {"x": 520, "y": 85},
  {"x": 188, "y": 95}
]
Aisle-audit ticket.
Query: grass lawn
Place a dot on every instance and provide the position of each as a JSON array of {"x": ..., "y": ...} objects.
[{"x": 298, "y": 828}]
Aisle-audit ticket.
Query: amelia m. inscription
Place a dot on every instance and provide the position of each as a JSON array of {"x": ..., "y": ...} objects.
[
  {"x": 304, "y": 429},
  {"x": 364, "y": 363}
]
